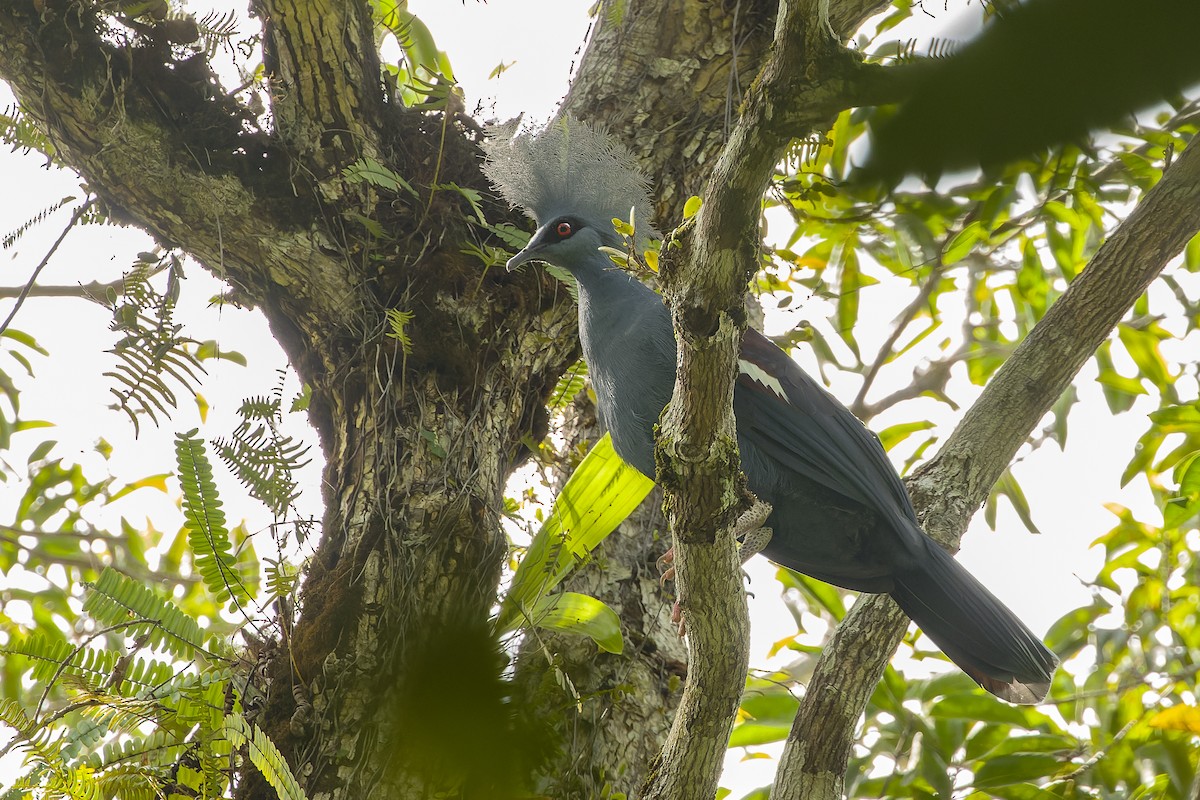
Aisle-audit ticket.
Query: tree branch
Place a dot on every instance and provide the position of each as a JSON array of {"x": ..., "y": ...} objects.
[
  {"x": 114, "y": 114},
  {"x": 704, "y": 283},
  {"x": 323, "y": 73},
  {"x": 859, "y": 406},
  {"x": 947, "y": 491},
  {"x": 847, "y": 16},
  {"x": 92, "y": 290}
]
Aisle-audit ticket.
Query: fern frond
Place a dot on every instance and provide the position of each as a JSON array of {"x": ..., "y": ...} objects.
[
  {"x": 12, "y": 236},
  {"x": 81, "y": 737},
  {"x": 943, "y": 48},
  {"x": 263, "y": 459},
  {"x": 129, "y": 782},
  {"x": 264, "y": 755},
  {"x": 53, "y": 658},
  {"x": 801, "y": 152},
  {"x": 282, "y": 578},
  {"x": 36, "y": 740},
  {"x": 152, "y": 354},
  {"x": 511, "y": 235},
  {"x": 159, "y": 747},
  {"x": 18, "y": 131},
  {"x": 569, "y": 385},
  {"x": 212, "y": 550},
  {"x": 217, "y": 29},
  {"x": 116, "y": 599},
  {"x": 116, "y": 714},
  {"x": 368, "y": 170},
  {"x": 398, "y": 322}
]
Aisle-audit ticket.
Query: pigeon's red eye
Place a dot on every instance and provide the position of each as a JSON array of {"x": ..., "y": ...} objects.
[{"x": 563, "y": 229}]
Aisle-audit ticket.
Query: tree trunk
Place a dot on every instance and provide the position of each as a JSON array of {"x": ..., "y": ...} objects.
[{"x": 418, "y": 445}]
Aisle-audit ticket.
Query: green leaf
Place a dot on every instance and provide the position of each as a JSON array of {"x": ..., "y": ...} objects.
[
  {"x": 1191, "y": 254},
  {"x": 853, "y": 280},
  {"x": 569, "y": 385},
  {"x": 1185, "y": 504},
  {"x": 692, "y": 207},
  {"x": 398, "y": 323},
  {"x": 116, "y": 599},
  {"x": 1007, "y": 486},
  {"x": 212, "y": 349},
  {"x": 1017, "y": 768},
  {"x": 599, "y": 495},
  {"x": 149, "y": 482},
  {"x": 824, "y": 595},
  {"x": 474, "y": 198},
  {"x": 767, "y": 701},
  {"x": 754, "y": 733},
  {"x": 570, "y": 612},
  {"x": 264, "y": 755},
  {"x": 895, "y": 434},
  {"x": 1142, "y": 346},
  {"x": 958, "y": 247},
  {"x": 204, "y": 520},
  {"x": 980, "y": 707},
  {"x": 41, "y": 451},
  {"x": 368, "y": 170}
]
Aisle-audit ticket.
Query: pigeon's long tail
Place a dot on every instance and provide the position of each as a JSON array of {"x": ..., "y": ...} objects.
[{"x": 973, "y": 628}]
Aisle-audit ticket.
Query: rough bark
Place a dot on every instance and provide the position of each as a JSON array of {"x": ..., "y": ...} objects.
[
  {"x": 688, "y": 59},
  {"x": 800, "y": 88},
  {"x": 667, "y": 78},
  {"x": 410, "y": 538},
  {"x": 952, "y": 486}
]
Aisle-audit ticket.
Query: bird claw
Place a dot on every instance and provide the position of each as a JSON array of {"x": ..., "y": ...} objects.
[
  {"x": 668, "y": 572},
  {"x": 677, "y": 619}
]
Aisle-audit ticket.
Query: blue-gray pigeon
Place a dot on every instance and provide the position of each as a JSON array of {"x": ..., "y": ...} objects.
[{"x": 839, "y": 511}]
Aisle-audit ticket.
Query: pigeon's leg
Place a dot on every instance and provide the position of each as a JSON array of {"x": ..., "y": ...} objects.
[
  {"x": 752, "y": 538},
  {"x": 750, "y": 532}
]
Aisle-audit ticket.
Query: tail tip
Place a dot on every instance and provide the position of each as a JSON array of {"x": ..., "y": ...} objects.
[{"x": 1019, "y": 691}]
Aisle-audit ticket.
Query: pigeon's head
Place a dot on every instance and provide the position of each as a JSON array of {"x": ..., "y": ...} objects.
[
  {"x": 569, "y": 242},
  {"x": 574, "y": 180}
]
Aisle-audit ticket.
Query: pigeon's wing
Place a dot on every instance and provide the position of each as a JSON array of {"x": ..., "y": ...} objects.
[{"x": 791, "y": 418}]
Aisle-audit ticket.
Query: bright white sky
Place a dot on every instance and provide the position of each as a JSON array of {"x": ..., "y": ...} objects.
[{"x": 1037, "y": 576}]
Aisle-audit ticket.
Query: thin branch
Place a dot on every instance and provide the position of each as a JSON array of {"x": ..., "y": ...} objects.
[
  {"x": 93, "y": 290},
  {"x": 948, "y": 490},
  {"x": 859, "y": 406},
  {"x": 800, "y": 89},
  {"x": 1100, "y": 753},
  {"x": 79, "y": 212}
]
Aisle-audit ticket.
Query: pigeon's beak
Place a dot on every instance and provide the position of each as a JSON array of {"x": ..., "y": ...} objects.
[{"x": 521, "y": 259}]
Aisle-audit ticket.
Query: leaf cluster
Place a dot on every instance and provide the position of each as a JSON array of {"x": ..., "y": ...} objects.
[
  {"x": 153, "y": 356},
  {"x": 262, "y": 458}
]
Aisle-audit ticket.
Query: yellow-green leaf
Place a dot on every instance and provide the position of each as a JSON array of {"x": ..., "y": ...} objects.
[
  {"x": 571, "y": 612},
  {"x": 600, "y": 494},
  {"x": 962, "y": 243},
  {"x": 1177, "y": 718}
]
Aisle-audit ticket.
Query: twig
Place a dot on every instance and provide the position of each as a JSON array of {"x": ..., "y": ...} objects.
[
  {"x": 79, "y": 212},
  {"x": 859, "y": 405}
]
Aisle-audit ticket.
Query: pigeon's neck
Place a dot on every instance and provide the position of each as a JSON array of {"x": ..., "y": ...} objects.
[
  {"x": 614, "y": 307},
  {"x": 604, "y": 282},
  {"x": 627, "y": 342}
]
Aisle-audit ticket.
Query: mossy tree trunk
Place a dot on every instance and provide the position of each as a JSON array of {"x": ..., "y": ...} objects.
[{"x": 418, "y": 445}]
